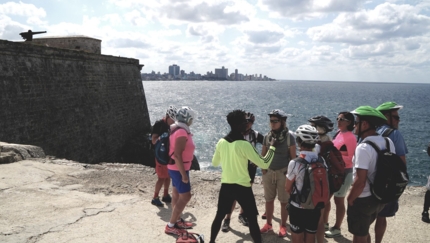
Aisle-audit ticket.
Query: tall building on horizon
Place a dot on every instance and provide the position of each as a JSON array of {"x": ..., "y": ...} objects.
[
  {"x": 174, "y": 70},
  {"x": 221, "y": 73}
]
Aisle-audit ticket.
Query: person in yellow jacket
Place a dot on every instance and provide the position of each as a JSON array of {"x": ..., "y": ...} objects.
[{"x": 233, "y": 152}]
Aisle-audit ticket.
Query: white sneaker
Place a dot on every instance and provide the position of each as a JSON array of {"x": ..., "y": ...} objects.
[{"x": 332, "y": 232}]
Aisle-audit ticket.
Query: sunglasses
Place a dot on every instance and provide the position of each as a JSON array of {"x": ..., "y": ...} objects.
[
  {"x": 396, "y": 117},
  {"x": 341, "y": 119},
  {"x": 274, "y": 121}
]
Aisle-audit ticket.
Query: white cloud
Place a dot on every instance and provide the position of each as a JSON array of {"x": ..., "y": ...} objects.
[
  {"x": 307, "y": 9},
  {"x": 135, "y": 18},
  {"x": 385, "y": 22},
  {"x": 22, "y": 9}
]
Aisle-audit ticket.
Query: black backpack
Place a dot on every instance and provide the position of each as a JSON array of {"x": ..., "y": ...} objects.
[
  {"x": 162, "y": 147},
  {"x": 391, "y": 176}
]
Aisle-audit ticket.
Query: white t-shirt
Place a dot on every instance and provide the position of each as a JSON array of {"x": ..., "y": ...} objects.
[
  {"x": 296, "y": 170},
  {"x": 365, "y": 158}
]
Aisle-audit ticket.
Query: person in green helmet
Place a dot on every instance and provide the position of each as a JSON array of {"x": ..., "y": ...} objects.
[
  {"x": 390, "y": 129},
  {"x": 362, "y": 206}
]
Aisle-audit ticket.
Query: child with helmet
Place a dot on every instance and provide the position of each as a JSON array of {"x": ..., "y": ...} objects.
[
  {"x": 161, "y": 126},
  {"x": 303, "y": 222}
]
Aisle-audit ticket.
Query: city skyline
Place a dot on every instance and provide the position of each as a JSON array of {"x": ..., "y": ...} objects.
[{"x": 174, "y": 72}]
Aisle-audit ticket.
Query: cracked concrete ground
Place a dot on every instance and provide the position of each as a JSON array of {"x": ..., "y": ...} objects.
[{"x": 53, "y": 200}]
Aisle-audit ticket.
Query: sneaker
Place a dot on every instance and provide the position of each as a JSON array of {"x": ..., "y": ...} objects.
[
  {"x": 243, "y": 220},
  {"x": 283, "y": 231},
  {"x": 264, "y": 215},
  {"x": 226, "y": 225},
  {"x": 266, "y": 228},
  {"x": 156, "y": 201},
  {"x": 167, "y": 199},
  {"x": 175, "y": 230},
  {"x": 184, "y": 224},
  {"x": 425, "y": 217},
  {"x": 332, "y": 232},
  {"x": 326, "y": 227}
]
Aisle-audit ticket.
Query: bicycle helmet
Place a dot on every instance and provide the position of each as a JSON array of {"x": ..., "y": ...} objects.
[
  {"x": 368, "y": 111},
  {"x": 278, "y": 113},
  {"x": 171, "y": 112},
  {"x": 322, "y": 121},
  {"x": 185, "y": 115},
  {"x": 307, "y": 134},
  {"x": 375, "y": 117},
  {"x": 250, "y": 117},
  {"x": 389, "y": 106}
]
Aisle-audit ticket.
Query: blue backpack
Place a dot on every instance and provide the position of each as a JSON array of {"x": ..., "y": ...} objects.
[{"x": 162, "y": 148}]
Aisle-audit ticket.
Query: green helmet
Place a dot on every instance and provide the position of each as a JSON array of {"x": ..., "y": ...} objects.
[
  {"x": 368, "y": 111},
  {"x": 388, "y": 106}
]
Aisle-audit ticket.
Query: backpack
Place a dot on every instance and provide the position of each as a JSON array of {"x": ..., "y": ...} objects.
[
  {"x": 391, "y": 177},
  {"x": 314, "y": 193},
  {"x": 190, "y": 237},
  {"x": 162, "y": 146},
  {"x": 335, "y": 164}
]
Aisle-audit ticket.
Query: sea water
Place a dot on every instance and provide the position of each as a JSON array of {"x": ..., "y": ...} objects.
[{"x": 212, "y": 100}]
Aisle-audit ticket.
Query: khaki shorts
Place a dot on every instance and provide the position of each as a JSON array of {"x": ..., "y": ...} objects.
[
  {"x": 274, "y": 183},
  {"x": 345, "y": 186}
]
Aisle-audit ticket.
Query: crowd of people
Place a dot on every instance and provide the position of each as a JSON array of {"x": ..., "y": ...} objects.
[{"x": 283, "y": 160}]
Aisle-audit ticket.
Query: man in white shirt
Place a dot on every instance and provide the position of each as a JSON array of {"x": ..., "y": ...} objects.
[{"x": 362, "y": 206}]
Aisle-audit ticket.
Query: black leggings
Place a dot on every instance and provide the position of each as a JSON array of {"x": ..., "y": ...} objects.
[
  {"x": 427, "y": 201},
  {"x": 254, "y": 229}
]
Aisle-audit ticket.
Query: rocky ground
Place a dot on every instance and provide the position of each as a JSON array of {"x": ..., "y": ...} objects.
[{"x": 56, "y": 200}]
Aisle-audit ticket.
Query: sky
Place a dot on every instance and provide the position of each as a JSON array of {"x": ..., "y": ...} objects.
[{"x": 336, "y": 40}]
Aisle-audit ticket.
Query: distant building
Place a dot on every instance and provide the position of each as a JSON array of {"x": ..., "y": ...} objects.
[
  {"x": 236, "y": 77},
  {"x": 174, "y": 70},
  {"x": 221, "y": 73}
]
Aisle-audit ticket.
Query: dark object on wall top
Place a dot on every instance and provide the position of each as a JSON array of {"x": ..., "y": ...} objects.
[{"x": 28, "y": 36}]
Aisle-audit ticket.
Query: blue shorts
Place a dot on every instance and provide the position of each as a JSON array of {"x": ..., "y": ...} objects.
[
  {"x": 177, "y": 181},
  {"x": 390, "y": 209}
]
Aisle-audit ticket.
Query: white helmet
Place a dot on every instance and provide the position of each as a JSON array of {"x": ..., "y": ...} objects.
[
  {"x": 171, "y": 112},
  {"x": 308, "y": 134},
  {"x": 185, "y": 115}
]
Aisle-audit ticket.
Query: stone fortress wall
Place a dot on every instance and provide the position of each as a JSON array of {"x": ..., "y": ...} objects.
[
  {"x": 78, "y": 42},
  {"x": 74, "y": 104}
]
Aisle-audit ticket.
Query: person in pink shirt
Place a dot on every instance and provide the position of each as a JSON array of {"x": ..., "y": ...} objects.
[
  {"x": 181, "y": 150},
  {"x": 346, "y": 142}
]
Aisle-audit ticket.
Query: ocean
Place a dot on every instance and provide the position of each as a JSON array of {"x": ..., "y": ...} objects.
[{"x": 212, "y": 100}]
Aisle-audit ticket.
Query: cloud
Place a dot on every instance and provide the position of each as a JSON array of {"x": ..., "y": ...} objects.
[
  {"x": 264, "y": 36},
  {"x": 308, "y": 9},
  {"x": 203, "y": 12},
  {"x": 385, "y": 22},
  {"x": 128, "y": 43},
  {"x": 223, "y": 12},
  {"x": 22, "y": 9},
  {"x": 135, "y": 18}
]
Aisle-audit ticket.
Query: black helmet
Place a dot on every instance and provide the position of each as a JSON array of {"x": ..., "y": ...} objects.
[
  {"x": 322, "y": 121},
  {"x": 279, "y": 113}
]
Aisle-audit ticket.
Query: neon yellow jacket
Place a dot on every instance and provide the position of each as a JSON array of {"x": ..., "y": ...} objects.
[{"x": 233, "y": 158}]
